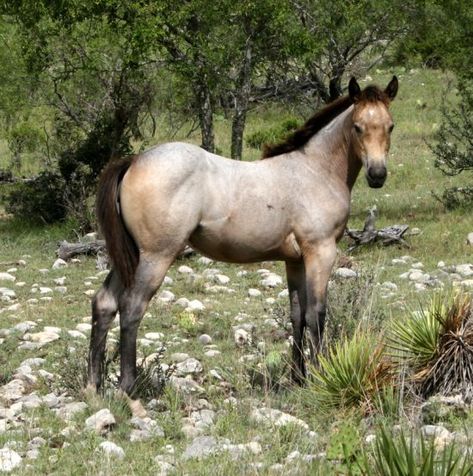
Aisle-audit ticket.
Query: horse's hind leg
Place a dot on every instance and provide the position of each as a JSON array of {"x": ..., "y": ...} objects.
[
  {"x": 104, "y": 309},
  {"x": 133, "y": 303},
  {"x": 297, "y": 296}
]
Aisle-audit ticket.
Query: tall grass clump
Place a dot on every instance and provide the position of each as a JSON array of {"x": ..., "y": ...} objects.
[
  {"x": 436, "y": 345},
  {"x": 402, "y": 456},
  {"x": 355, "y": 373}
]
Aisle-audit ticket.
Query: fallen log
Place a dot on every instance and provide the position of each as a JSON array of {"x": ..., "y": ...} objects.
[
  {"x": 387, "y": 236},
  {"x": 67, "y": 250}
]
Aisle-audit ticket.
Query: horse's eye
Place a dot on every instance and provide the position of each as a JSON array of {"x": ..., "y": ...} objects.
[
  {"x": 357, "y": 128},
  {"x": 391, "y": 127}
]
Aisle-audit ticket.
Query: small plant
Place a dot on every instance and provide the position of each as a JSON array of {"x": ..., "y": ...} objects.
[
  {"x": 345, "y": 450},
  {"x": 414, "y": 457},
  {"x": 354, "y": 374},
  {"x": 437, "y": 346}
]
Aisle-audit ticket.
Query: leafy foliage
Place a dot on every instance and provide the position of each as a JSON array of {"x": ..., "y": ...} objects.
[
  {"x": 354, "y": 374},
  {"x": 437, "y": 345},
  {"x": 272, "y": 135}
]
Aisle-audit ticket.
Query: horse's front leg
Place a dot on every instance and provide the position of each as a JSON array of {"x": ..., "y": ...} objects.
[
  {"x": 318, "y": 259},
  {"x": 295, "y": 273}
]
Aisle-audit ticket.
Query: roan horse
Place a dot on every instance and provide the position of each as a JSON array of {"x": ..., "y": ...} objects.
[{"x": 293, "y": 206}]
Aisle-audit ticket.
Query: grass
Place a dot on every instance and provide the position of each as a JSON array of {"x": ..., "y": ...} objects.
[{"x": 406, "y": 198}]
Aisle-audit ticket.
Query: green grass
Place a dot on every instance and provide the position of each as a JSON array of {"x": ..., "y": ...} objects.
[{"x": 406, "y": 199}]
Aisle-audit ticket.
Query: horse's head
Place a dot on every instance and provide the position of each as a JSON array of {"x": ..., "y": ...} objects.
[{"x": 372, "y": 127}]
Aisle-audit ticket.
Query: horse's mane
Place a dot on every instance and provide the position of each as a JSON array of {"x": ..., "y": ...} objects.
[{"x": 320, "y": 119}]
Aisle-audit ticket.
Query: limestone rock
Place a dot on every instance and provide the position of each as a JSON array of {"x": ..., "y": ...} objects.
[
  {"x": 9, "y": 460},
  {"x": 100, "y": 421}
]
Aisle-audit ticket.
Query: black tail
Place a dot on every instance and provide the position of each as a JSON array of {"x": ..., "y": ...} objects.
[{"x": 121, "y": 247}]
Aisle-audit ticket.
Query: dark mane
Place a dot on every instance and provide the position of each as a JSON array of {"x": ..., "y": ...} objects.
[{"x": 320, "y": 119}]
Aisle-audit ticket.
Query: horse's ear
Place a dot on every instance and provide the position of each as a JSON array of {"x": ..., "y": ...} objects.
[
  {"x": 391, "y": 88},
  {"x": 354, "y": 89}
]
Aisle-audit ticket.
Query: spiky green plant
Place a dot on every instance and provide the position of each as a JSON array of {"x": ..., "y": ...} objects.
[
  {"x": 402, "y": 456},
  {"x": 437, "y": 346},
  {"x": 354, "y": 373}
]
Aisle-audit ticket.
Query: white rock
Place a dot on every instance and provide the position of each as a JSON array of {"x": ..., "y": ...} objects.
[
  {"x": 272, "y": 280},
  {"x": 61, "y": 289},
  {"x": 345, "y": 273},
  {"x": 441, "y": 264},
  {"x": 154, "y": 336},
  {"x": 189, "y": 366},
  {"x": 283, "y": 294},
  {"x": 68, "y": 411},
  {"x": 25, "y": 326},
  {"x": 183, "y": 302},
  {"x": 168, "y": 280},
  {"x": 13, "y": 390},
  {"x": 7, "y": 277},
  {"x": 465, "y": 270},
  {"x": 45, "y": 290},
  {"x": 417, "y": 265},
  {"x": 84, "y": 327},
  {"x": 205, "y": 339},
  {"x": 76, "y": 334},
  {"x": 212, "y": 353},
  {"x": 185, "y": 269},
  {"x": 9, "y": 460},
  {"x": 59, "y": 263},
  {"x": 195, "y": 305},
  {"x": 241, "y": 337},
  {"x": 100, "y": 421},
  {"x": 271, "y": 416},
  {"x": 204, "y": 260},
  {"x": 252, "y": 292},
  {"x": 166, "y": 296},
  {"x": 44, "y": 337},
  {"x": 389, "y": 285},
  {"x": 469, "y": 239},
  {"x": 419, "y": 276},
  {"x": 111, "y": 449},
  {"x": 222, "y": 279}
]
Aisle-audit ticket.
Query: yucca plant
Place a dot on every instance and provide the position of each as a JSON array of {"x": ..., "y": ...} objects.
[
  {"x": 437, "y": 346},
  {"x": 354, "y": 373},
  {"x": 402, "y": 456}
]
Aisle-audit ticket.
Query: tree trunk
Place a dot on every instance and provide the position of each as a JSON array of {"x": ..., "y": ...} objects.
[
  {"x": 242, "y": 96},
  {"x": 206, "y": 117}
]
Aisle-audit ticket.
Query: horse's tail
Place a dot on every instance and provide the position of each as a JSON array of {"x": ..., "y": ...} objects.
[{"x": 121, "y": 246}]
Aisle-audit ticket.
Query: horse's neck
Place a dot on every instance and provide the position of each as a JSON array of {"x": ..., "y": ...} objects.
[{"x": 332, "y": 148}]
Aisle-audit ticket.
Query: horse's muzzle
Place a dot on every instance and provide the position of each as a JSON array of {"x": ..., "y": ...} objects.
[{"x": 376, "y": 176}]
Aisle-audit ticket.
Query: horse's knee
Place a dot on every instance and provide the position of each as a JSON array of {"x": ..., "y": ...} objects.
[{"x": 104, "y": 307}]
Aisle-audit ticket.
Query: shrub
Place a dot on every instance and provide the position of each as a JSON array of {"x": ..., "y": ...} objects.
[
  {"x": 437, "y": 346},
  {"x": 354, "y": 374},
  {"x": 273, "y": 134},
  {"x": 40, "y": 199}
]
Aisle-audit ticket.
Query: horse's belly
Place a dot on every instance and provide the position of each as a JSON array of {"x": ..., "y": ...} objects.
[{"x": 240, "y": 247}]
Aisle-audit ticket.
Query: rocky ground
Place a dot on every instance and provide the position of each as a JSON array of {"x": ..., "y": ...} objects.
[{"x": 210, "y": 331}]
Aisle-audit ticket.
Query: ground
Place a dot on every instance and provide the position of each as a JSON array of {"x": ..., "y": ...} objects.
[{"x": 231, "y": 337}]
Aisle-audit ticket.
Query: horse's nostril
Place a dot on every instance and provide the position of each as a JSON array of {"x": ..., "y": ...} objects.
[{"x": 377, "y": 172}]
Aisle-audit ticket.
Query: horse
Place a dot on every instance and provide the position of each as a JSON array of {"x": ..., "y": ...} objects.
[{"x": 292, "y": 206}]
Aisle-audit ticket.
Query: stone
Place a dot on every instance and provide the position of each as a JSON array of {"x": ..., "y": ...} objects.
[
  {"x": 12, "y": 391},
  {"x": 345, "y": 273},
  {"x": 111, "y": 449},
  {"x": 195, "y": 305},
  {"x": 100, "y": 421},
  {"x": 441, "y": 264},
  {"x": 189, "y": 366},
  {"x": 271, "y": 280},
  {"x": 205, "y": 261},
  {"x": 42, "y": 338},
  {"x": 203, "y": 418},
  {"x": 59, "y": 263},
  {"x": 5, "y": 292},
  {"x": 469, "y": 239},
  {"x": 283, "y": 294},
  {"x": 61, "y": 289},
  {"x": 155, "y": 336},
  {"x": 221, "y": 279},
  {"x": 166, "y": 296},
  {"x": 201, "y": 447},
  {"x": 205, "y": 339},
  {"x": 9, "y": 460},
  {"x": 418, "y": 276},
  {"x": 25, "y": 326},
  {"x": 272, "y": 416},
  {"x": 167, "y": 280},
  {"x": 68, "y": 411},
  {"x": 241, "y": 337},
  {"x": 464, "y": 270},
  {"x": 439, "y": 408},
  {"x": 45, "y": 290},
  {"x": 76, "y": 334},
  {"x": 7, "y": 277},
  {"x": 145, "y": 428},
  {"x": 240, "y": 450},
  {"x": 185, "y": 270},
  {"x": 212, "y": 353},
  {"x": 441, "y": 436},
  {"x": 187, "y": 386},
  {"x": 252, "y": 292},
  {"x": 84, "y": 327}
]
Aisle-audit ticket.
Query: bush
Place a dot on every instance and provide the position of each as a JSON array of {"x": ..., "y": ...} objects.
[
  {"x": 272, "y": 135},
  {"x": 354, "y": 374},
  {"x": 437, "y": 346},
  {"x": 453, "y": 147},
  {"x": 39, "y": 200}
]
